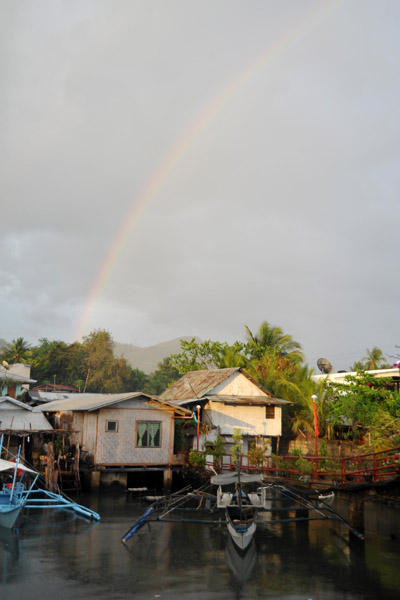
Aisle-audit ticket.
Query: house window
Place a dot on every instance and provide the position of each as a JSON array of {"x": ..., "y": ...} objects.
[
  {"x": 270, "y": 412},
  {"x": 112, "y": 426},
  {"x": 148, "y": 434}
]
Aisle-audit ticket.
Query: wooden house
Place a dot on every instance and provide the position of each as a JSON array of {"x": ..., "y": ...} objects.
[
  {"x": 24, "y": 426},
  {"x": 229, "y": 399},
  {"x": 119, "y": 435}
]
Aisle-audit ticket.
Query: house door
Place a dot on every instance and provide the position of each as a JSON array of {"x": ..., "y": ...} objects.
[{"x": 12, "y": 391}]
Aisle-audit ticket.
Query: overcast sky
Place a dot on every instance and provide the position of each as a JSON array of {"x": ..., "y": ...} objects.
[{"x": 269, "y": 134}]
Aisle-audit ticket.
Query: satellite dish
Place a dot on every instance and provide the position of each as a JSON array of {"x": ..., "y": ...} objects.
[
  {"x": 324, "y": 365},
  {"x": 5, "y": 364}
]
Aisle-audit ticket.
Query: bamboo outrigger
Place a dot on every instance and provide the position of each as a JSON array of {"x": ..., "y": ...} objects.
[
  {"x": 269, "y": 497},
  {"x": 16, "y": 495}
]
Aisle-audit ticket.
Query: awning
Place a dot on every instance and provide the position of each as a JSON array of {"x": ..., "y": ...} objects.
[
  {"x": 229, "y": 478},
  {"x": 8, "y": 464}
]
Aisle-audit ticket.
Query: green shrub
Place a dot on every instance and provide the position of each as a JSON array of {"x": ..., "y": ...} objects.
[
  {"x": 237, "y": 446},
  {"x": 197, "y": 460}
]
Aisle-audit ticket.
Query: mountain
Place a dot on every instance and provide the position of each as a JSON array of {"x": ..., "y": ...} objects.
[{"x": 146, "y": 359}]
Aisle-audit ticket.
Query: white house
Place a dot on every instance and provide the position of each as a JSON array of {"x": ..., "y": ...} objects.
[
  {"x": 229, "y": 399},
  {"x": 340, "y": 376}
]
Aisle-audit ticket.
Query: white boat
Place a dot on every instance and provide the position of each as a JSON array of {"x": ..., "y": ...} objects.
[
  {"x": 241, "y": 525},
  {"x": 241, "y": 507}
]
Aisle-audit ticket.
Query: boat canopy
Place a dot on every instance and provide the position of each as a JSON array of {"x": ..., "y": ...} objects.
[
  {"x": 8, "y": 464},
  {"x": 229, "y": 478}
]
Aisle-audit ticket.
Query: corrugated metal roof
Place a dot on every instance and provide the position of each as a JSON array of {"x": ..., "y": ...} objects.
[
  {"x": 45, "y": 396},
  {"x": 234, "y": 400},
  {"x": 17, "y": 416},
  {"x": 6, "y": 375},
  {"x": 51, "y": 387},
  {"x": 179, "y": 410},
  {"x": 7, "y": 401},
  {"x": 87, "y": 402},
  {"x": 247, "y": 400},
  {"x": 11, "y": 420},
  {"x": 196, "y": 384},
  {"x": 54, "y": 401}
]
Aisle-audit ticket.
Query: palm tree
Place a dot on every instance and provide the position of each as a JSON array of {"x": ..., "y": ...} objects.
[
  {"x": 303, "y": 408},
  {"x": 358, "y": 365},
  {"x": 230, "y": 356},
  {"x": 290, "y": 381},
  {"x": 374, "y": 359},
  {"x": 17, "y": 352},
  {"x": 269, "y": 337}
]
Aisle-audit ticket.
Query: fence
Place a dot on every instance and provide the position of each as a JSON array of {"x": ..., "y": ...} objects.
[{"x": 371, "y": 467}]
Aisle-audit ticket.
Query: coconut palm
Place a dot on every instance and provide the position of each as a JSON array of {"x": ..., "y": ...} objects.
[
  {"x": 374, "y": 359},
  {"x": 269, "y": 337},
  {"x": 290, "y": 381},
  {"x": 18, "y": 351},
  {"x": 230, "y": 356},
  {"x": 358, "y": 365},
  {"x": 303, "y": 407}
]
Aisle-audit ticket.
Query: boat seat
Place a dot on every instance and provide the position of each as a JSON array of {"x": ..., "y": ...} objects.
[
  {"x": 225, "y": 499},
  {"x": 255, "y": 499}
]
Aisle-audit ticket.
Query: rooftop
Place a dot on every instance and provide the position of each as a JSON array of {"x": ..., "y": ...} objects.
[{"x": 198, "y": 384}]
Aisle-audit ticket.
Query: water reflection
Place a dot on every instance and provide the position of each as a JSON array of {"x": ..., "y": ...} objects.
[
  {"x": 59, "y": 551},
  {"x": 9, "y": 553},
  {"x": 240, "y": 564},
  {"x": 9, "y": 543}
]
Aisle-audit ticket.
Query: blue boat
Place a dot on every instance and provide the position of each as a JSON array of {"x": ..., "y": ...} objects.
[{"x": 15, "y": 495}]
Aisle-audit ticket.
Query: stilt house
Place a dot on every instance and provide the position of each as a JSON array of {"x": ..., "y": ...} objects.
[
  {"x": 118, "y": 434},
  {"x": 225, "y": 400}
]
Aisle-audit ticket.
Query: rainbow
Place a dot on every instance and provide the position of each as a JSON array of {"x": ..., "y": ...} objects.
[{"x": 183, "y": 143}]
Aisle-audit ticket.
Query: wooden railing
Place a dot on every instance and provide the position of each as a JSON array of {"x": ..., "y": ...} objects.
[{"x": 370, "y": 467}]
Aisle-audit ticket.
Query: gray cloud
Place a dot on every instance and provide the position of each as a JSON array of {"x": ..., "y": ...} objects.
[{"x": 283, "y": 206}]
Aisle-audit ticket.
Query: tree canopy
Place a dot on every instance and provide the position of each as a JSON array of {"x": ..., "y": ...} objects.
[
  {"x": 18, "y": 351},
  {"x": 273, "y": 358},
  {"x": 196, "y": 356},
  {"x": 361, "y": 401},
  {"x": 373, "y": 360},
  {"x": 271, "y": 338}
]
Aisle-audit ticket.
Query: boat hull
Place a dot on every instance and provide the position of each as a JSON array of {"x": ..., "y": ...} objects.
[
  {"x": 8, "y": 515},
  {"x": 241, "y": 531}
]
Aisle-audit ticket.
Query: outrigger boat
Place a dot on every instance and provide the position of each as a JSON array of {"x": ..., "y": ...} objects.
[
  {"x": 15, "y": 495},
  {"x": 241, "y": 508},
  {"x": 286, "y": 503}
]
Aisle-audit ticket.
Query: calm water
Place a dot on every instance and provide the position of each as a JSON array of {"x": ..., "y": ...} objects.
[{"x": 58, "y": 554}]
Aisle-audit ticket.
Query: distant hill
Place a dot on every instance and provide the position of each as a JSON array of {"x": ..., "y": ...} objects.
[{"x": 146, "y": 359}]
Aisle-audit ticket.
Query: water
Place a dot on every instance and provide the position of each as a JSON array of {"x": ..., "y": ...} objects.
[{"x": 57, "y": 554}]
